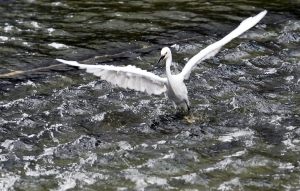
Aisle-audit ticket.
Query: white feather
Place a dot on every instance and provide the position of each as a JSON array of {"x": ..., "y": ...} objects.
[
  {"x": 125, "y": 77},
  {"x": 213, "y": 49}
]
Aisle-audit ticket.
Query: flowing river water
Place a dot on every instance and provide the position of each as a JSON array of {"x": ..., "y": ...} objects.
[{"x": 64, "y": 129}]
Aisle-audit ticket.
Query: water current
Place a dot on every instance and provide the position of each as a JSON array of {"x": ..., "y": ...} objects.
[{"x": 64, "y": 129}]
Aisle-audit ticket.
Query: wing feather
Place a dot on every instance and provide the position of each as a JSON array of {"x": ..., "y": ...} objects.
[
  {"x": 213, "y": 49},
  {"x": 125, "y": 77}
]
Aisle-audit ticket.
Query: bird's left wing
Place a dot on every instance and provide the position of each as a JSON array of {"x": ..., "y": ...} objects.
[
  {"x": 213, "y": 49},
  {"x": 125, "y": 77}
]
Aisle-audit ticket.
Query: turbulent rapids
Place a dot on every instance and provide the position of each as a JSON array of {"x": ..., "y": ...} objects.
[{"x": 62, "y": 128}]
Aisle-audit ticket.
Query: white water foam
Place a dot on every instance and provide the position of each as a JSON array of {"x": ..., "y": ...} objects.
[{"x": 57, "y": 45}]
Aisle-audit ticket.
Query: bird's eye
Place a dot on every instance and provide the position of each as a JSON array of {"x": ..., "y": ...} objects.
[{"x": 165, "y": 54}]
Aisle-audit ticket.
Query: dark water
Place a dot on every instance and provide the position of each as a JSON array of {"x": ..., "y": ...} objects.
[{"x": 61, "y": 128}]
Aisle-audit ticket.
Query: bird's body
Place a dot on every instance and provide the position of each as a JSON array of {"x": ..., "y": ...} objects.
[
  {"x": 175, "y": 88},
  {"x": 173, "y": 85}
]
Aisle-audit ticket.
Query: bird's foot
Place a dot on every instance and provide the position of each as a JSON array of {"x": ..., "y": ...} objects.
[{"x": 191, "y": 118}]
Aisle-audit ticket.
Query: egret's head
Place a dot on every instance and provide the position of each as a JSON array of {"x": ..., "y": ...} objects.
[{"x": 165, "y": 53}]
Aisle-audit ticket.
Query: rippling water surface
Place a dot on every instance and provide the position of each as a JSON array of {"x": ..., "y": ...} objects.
[{"x": 61, "y": 128}]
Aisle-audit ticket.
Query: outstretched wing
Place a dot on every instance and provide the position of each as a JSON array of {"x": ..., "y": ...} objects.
[
  {"x": 213, "y": 49},
  {"x": 125, "y": 77}
]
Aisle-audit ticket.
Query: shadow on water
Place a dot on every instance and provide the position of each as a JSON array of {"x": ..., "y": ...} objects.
[{"x": 61, "y": 128}]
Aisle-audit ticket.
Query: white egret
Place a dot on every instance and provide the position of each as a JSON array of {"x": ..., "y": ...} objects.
[{"x": 173, "y": 85}]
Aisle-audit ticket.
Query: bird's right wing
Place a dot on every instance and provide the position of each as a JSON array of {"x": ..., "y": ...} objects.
[
  {"x": 125, "y": 77},
  {"x": 213, "y": 49}
]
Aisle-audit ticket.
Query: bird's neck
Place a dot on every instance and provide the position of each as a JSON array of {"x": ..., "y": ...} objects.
[
  {"x": 168, "y": 67},
  {"x": 170, "y": 77}
]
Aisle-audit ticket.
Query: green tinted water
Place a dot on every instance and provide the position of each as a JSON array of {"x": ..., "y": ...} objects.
[{"x": 61, "y": 128}]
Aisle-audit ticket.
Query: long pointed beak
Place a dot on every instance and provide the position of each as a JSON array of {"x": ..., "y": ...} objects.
[{"x": 160, "y": 59}]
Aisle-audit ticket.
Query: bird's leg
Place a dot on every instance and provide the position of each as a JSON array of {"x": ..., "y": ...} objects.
[
  {"x": 189, "y": 116},
  {"x": 187, "y": 105}
]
